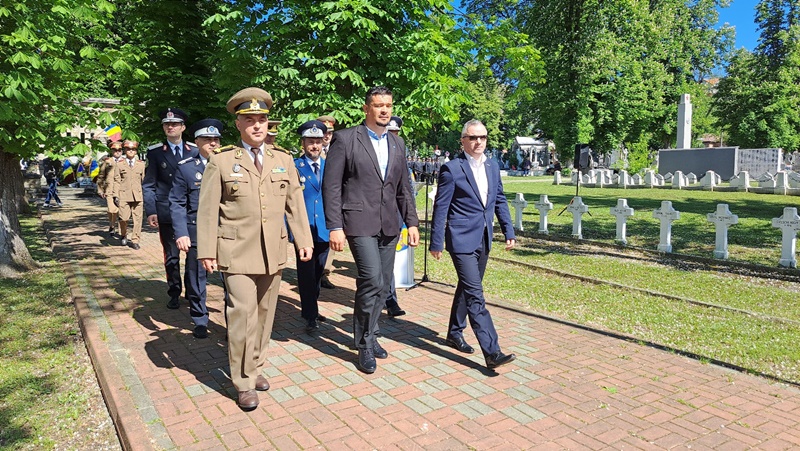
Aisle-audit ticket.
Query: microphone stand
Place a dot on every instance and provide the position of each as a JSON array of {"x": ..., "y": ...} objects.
[{"x": 425, "y": 277}]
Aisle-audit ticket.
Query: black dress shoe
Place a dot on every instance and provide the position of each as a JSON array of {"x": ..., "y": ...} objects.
[
  {"x": 200, "y": 332},
  {"x": 395, "y": 311},
  {"x": 366, "y": 361},
  {"x": 311, "y": 325},
  {"x": 379, "y": 352},
  {"x": 321, "y": 318},
  {"x": 135, "y": 246},
  {"x": 325, "y": 283},
  {"x": 173, "y": 303},
  {"x": 248, "y": 400},
  {"x": 261, "y": 383},
  {"x": 498, "y": 358},
  {"x": 460, "y": 344},
  {"x": 124, "y": 241}
]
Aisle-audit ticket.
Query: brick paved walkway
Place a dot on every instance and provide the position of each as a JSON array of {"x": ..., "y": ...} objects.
[{"x": 568, "y": 389}]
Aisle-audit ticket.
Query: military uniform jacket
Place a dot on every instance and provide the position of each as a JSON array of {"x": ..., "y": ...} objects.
[
  {"x": 312, "y": 195},
  {"x": 240, "y": 221},
  {"x": 105, "y": 180},
  {"x": 184, "y": 197},
  {"x": 128, "y": 181},
  {"x": 161, "y": 167}
]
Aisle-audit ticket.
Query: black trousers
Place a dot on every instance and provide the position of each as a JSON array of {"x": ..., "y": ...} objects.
[
  {"x": 172, "y": 259},
  {"x": 469, "y": 302},
  {"x": 374, "y": 257},
  {"x": 196, "y": 288},
  {"x": 309, "y": 276}
]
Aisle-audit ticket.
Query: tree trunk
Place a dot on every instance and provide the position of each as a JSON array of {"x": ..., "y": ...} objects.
[{"x": 14, "y": 255}]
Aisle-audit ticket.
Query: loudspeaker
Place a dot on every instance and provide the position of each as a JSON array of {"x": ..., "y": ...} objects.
[{"x": 583, "y": 155}]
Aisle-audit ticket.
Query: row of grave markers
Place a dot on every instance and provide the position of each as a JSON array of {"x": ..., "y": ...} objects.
[
  {"x": 783, "y": 182},
  {"x": 722, "y": 219}
]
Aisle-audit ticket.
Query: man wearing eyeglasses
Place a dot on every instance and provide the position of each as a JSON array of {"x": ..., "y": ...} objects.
[
  {"x": 162, "y": 163},
  {"x": 469, "y": 195}
]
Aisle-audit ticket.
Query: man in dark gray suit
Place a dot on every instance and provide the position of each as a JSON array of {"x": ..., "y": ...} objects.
[{"x": 365, "y": 187}]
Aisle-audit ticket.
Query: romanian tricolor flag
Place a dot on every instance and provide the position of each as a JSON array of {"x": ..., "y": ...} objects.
[{"x": 113, "y": 132}]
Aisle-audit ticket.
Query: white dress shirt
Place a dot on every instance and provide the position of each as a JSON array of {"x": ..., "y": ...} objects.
[{"x": 479, "y": 172}]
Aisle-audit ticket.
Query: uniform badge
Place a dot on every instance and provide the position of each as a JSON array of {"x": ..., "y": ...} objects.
[
  {"x": 301, "y": 164},
  {"x": 238, "y": 153},
  {"x": 198, "y": 176},
  {"x": 302, "y": 179},
  {"x": 254, "y": 105},
  {"x": 235, "y": 187},
  {"x": 163, "y": 165},
  {"x": 236, "y": 167}
]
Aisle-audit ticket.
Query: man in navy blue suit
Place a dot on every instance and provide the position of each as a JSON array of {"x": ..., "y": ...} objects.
[
  {"x": 310, "y": 168},
  {"x": 184, "y": 199},
  {"x": 162, "y": 163},
  {"x": 469, "y": 195}
]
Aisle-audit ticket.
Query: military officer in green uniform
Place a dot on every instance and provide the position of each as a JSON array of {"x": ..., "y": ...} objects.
[{"x": 247, "y": 191}]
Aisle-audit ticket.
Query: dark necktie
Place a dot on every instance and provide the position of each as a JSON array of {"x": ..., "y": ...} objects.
[
  {"x": 316, "y": 169},
  {"x": 256, "y": 161},
  {"x": 130, "y": 162},
  {"x": 178, "y": 153}
]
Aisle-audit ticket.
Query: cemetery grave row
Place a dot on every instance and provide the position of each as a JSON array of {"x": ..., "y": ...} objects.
[{"x": 722, "y": 219}]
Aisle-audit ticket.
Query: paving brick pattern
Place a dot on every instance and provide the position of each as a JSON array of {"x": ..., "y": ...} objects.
[{"x": 568, "y": 389}]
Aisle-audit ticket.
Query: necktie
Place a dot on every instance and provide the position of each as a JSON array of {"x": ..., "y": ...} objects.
[
  {"x": 316, "y": 169},
  {"x": 178, "y": 153},
  {"x": 130, "y": 162},
  {"x": 256, "y": 152}
]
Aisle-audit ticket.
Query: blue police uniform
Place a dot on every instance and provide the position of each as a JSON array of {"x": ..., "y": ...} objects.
[
  {"x": 162, "y": 165},
  {"x": 309, "y": 273},
  {"x": 183, "y": 201}
]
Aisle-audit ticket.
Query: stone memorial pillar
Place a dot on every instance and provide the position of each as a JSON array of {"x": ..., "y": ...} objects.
[
  {"x": 577, "y": 208},
  {"x": 722, "y": 219},
  {"x": 684, "y": 123},
  {"x": 622, "y": 212},
  {"x": 789, "y": 224},
  {"x": 666, "y": 214},
  {"x": 544, "y": 206},
  {"x": 519, "y": 204},
  {"x": 557, "y": 178}
]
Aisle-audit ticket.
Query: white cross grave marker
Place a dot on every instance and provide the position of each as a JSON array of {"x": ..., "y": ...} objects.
[
  {"x": 519, "y": 204},
  {"x": 789, "y": 224},
  {"x": 722, "y": 219},
  {"x": 622, "y": 212},
  {"x": 666, "y": 214},
  {"x": 544, "y": 206},
  {"x": 577, "y": 208}
]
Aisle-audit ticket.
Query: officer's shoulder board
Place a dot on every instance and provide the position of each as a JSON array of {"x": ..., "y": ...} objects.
[
  {"x": 281, "y": 149},
  {"x": 155, "y": 146},
  {"x": 224, "y": 148},
  {"x": 191, "y": 144},
  {"x": 185, "y": 160}
]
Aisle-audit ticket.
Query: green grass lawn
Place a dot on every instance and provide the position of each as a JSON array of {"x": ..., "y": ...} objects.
[
  {"x": 48, "y": 391},
  {"x": 756, "y": 341}
]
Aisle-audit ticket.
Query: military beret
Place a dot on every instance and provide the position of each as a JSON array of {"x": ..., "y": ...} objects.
[
  {"x": 272, "y": 127},
  {"x": 395, "y": 123},
  {"x": 312, "y": 129},
  {"x": 116, "y": 145},
  {"x": 207, "y": 128},
  {"x": 250, "y": 101},
  {"x": 173, "y": 115},
  {"x": 329, "y": 121}
]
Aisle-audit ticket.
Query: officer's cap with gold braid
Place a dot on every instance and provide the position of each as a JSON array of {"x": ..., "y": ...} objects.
[
  {"x": 329, "y": 121},
  {"x": 272, "y": 127},
  {"x": 250, "y": 101}
]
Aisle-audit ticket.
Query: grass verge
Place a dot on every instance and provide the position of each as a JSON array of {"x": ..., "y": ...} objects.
[{"x": 49, "y": 397}]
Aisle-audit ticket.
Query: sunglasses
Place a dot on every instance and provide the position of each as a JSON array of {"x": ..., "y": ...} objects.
[
  {"x": 475, "y": 137},
  {"x": 130, "y": 148}
]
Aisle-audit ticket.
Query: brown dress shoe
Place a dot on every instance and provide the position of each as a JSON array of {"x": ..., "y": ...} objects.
[
  {"x": 261, "y": 383},
  {"x": 248, "y": 400}
]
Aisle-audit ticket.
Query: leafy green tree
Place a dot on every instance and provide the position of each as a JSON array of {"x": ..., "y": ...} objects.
[
  {"x": 760, "y": 95},
  {"x": 50, "y": 59}
]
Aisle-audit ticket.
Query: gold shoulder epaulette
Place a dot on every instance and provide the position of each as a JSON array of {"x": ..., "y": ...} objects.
[{"x": 224, "y": 148}]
